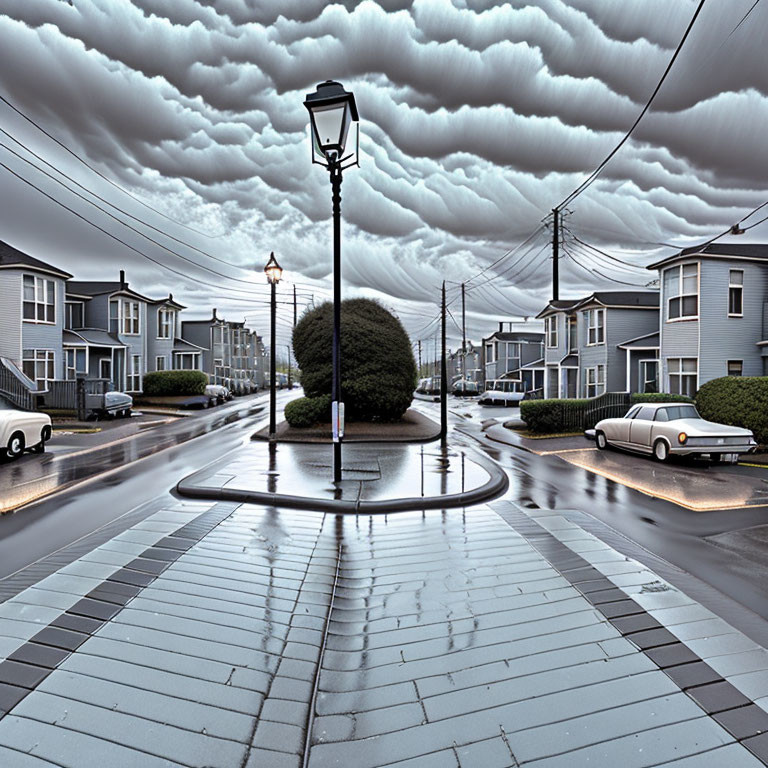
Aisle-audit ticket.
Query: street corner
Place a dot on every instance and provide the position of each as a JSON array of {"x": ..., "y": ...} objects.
[{"x": 383, "y": 477}]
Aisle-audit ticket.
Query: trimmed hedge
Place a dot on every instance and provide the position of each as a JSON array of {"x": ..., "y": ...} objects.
[
  {"x": 564, "y": 415},
  {"x": 741, "y": 401},
  {"x": 659, "y": 397},
  {"x": 159, "y": 383},
  {"x": 553, "y": 414},
  {"x": 308, "y": 411},
  {"x": 378, "y": 372}
]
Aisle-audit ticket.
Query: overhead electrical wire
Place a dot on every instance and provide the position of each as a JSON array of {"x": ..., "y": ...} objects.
[{"x": 593, "y": 176}]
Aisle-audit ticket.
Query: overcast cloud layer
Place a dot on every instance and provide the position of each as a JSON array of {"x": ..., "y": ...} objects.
[{"x": 476, "y": 119}]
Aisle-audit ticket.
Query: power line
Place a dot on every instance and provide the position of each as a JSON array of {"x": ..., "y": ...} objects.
[
  {"x": 591, "y": 178},
  {"x": 99, "y": 173}
]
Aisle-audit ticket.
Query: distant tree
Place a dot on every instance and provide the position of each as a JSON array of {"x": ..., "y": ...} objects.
[{"x": 378, "y": 372}]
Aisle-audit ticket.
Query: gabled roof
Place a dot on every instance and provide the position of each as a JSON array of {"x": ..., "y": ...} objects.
[
  {"x": 558, "y": 305},
  {"x": 168, "y": 300},
  {"x": 12, "y": 257},
  {"x": 622, "y": 299},
  {"x": 749, "y": 251},
  {"x": 531, "y": 336},
  {"x": 94, "y": 337},
  {"x": 99, "y": 288}
]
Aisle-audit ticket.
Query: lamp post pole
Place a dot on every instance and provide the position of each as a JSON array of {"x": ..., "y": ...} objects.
[
  {"x": 272, "y": 355},
  {"x": 335, "y": 170}
]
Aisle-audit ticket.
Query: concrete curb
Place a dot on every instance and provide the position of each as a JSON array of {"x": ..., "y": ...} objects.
[{"x": 496, "y": 486}]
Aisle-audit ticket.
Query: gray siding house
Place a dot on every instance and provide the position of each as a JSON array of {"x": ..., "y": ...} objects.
[
  {"x": 31, "y": 315},
  {"x": 166, "y": 350},
  {"x": 514, "y": 355},
  {"x": 111, "y": 319},
  {"x": 714, "y": 315},
  {"x": 600, "y": 343}
]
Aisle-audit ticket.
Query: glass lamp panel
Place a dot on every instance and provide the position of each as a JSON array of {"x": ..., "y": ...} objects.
[{"x": 331, "y": 125}]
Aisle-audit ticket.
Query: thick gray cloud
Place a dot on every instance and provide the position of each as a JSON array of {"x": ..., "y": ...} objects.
[{"x": 477, "y": 118}]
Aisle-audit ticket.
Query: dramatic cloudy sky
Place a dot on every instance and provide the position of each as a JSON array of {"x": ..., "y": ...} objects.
[{"x": 477, "y": 117}]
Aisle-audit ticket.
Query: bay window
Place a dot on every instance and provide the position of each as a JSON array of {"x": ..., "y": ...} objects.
[{"x": 682, "y": 286}]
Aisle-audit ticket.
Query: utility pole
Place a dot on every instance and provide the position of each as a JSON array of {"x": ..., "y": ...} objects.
[
  {"x": 294, "y": 306},
  {"x": 556, "y": 255},
  {"x": 463, "y": 336},
  {"x": 290, "y": 382},
  {"x": 443, "y": 384},
  {"x": 419, "y": 358}
]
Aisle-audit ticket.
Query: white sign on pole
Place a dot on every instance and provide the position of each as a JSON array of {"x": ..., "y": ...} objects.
[{"x": 337, "y": 419}]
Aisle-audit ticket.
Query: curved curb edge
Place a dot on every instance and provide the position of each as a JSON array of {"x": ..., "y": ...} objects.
[{"x": 496, "y": 486}]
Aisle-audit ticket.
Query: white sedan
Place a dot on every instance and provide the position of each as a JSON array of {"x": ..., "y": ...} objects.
[
  {"x": 23, "y": 430},
  {"x": 665, "y": 429}
]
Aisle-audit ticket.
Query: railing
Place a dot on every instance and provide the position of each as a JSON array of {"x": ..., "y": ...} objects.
[
  {"x": 610, "y": 405},
  {"x": 16, "y": 388},
  {"x": 69, "y": 395}
]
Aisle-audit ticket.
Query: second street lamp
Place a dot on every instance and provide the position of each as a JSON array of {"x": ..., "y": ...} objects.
[
  {"x": 274, "y": 272},
  {"x": 332, "y": 111}
]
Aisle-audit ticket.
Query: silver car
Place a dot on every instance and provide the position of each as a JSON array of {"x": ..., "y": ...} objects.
[{"x": 663, "y": 429}]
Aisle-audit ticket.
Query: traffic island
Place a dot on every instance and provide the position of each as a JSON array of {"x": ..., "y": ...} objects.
[
  {"x": 413, "y": 427},
  {"x": 377, "y": 478}
]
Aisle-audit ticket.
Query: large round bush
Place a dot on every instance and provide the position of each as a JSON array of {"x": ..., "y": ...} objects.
[
  {"x": 171, "y": 383},
  {"x": 378, "y": 372},
  {"x": 741, "y": 401}
]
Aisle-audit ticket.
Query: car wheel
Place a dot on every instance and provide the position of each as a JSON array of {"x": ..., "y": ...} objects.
[
  {"x": 601, "y": 441},
  {"x": 15, "y": 446},
  {"x": 715, "y": 458},
  {"x": 660, "y": 450},
  {"x": 45, "y": 436}
]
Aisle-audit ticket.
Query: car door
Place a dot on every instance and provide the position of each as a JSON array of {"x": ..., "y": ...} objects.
[
  {"x": 641, "y": 427},
  {"x": 619, "y": 429}
]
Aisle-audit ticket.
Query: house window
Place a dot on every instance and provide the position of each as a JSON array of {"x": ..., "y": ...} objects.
[
  {"x": 594, "y": 320},
  {"x": 130, "y": 318},
  {"x": 159, "y": 363},
  {"x": 75, "y": 363},
  {"x": 489, "y": 358},
  {"x": 683, "y": 375},
  {"x": 38, "y": 365},
  {"x": 165, "y": 323},
  {"x": 735, "y": 367},
  {"x": 39, "y": 302},
  {"x": 683, "y": 292},
  {"x": 550, "y": 327},
  {"x": 572, "y": 333},
  {"x": 594, "y": 381},
  {"x": 134, "y": 374},
  {"x": 114, "y": 316},
  {"x": 74, "y": 315},
  {"x": 186, "y": 361},
  {"x": 736, "y": 293}
]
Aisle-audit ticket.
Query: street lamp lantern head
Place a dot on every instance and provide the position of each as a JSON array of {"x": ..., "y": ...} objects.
[
  {"x": 273, "y": 270},
  {"x": 332, "y": 111}
]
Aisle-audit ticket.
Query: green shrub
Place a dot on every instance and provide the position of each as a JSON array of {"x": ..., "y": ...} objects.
[
  {"x": 554, "y": 414},
  {"x": 741, "y": 401},
  {"x": 659, "y": 397},
  {"x": 378, "y": 372},
  {"x": 161, "y": 383},
  {"x": 308, "y": 411}
]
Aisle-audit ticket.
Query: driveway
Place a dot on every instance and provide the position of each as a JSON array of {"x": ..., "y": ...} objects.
[{"x": 690, "y": 484}]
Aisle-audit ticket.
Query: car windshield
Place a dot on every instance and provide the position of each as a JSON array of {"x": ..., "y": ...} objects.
[{"x": 679, "y": 412}]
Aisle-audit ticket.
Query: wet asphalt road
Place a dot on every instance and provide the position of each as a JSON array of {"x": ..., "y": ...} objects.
[
  {"x": 130, "y": 478},
  {"x": 678, "y": 535}
]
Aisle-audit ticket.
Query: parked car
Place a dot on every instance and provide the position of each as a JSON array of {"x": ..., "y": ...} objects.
[
  {"x": 465, "y": 388},
  {"x": 428, "y": 389},
  {"x": 217, "y": 393},
  {"x": 665, "y": 429},
  {"x": 109, "y": 405},
  {"x": 508, "y": 392},
  {"x": 23, "y": 430}
]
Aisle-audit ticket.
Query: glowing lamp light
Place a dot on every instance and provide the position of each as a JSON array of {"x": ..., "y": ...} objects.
[{"x": 273, "y": 270}]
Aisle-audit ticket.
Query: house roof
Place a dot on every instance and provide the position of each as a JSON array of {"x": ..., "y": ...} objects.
[
  {"x": 94, "y": 337},
  {"x": 558, "y": 305},
  {"x": 182, "y": 345},
  {"x": 98, "y": 288},
  {"x": 534, "y": 336},
  {"x": 13, "y": 257},
  {"x": 623, "y": 299},
  {"x": 570, "y": 361},
  {"x": 751, "y": 251},
  {"x": 534, "y": 364},
  {"x": 649, "y": 341},
  {"x": 168, "y": 300}
]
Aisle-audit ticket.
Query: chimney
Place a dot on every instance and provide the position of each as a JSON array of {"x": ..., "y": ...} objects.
[
  {"x": 501, "y": 327},
  {"x": 214, "y": 314},
  {"x": 170, "y": 297},
  {"x": 122, "y": 279}
]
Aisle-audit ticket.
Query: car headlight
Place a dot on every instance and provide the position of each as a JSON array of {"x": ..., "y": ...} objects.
[{"x": 682, "y": 438}]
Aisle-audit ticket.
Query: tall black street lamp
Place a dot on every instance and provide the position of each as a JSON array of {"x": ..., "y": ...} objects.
[
  {"x": 274, "y": 272},
  {"x": 332, "y": 111}
]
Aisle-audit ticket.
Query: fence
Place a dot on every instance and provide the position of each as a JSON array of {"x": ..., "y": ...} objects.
[
  {"x": 70, "y": 395},
  {"x": 569, "y": 415},
  {"x": 611, "y": 405},
  {"x": 14, "y": 388}
]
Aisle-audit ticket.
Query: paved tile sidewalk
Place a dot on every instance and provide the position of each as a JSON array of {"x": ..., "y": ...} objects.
[{"x": 452, "y": 641}]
